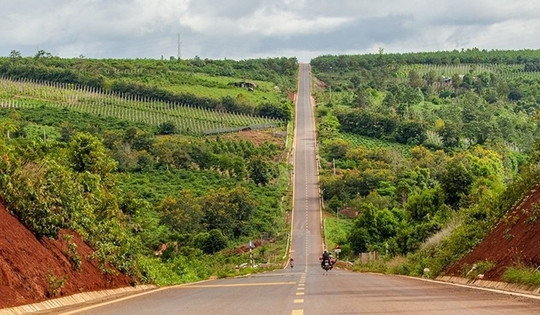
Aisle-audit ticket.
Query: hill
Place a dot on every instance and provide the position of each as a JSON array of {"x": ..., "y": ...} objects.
[
  {"x": 514, "y": 242},
  {"x": 32, "y": 270},
  {"x": 160, "y": 183}
]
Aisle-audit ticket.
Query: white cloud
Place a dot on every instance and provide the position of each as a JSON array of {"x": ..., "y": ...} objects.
[
  {"x": 274, "y": 23},
  {"x": 240, "y": 29}
]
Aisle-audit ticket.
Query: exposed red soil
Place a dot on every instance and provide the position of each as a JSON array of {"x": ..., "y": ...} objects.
[
  {"x": 28, "y": 265},
  {"x": 515, "y": 241}
]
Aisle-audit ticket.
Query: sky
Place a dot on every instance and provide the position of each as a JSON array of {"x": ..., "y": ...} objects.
[{"x": 246, "y": 29}]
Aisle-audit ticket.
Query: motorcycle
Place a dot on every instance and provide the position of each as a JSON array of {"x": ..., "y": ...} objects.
[{"x": 327, "y": 265}]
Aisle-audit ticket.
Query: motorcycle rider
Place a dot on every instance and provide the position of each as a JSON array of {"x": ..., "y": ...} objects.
[{"x": 325, "y": 258}]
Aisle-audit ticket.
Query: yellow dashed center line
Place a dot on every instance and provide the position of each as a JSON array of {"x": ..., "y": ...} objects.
[{"x": 299, "y": 292}]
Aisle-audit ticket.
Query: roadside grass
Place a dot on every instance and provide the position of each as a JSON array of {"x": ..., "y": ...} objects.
[{"x": 521, "y": 275}]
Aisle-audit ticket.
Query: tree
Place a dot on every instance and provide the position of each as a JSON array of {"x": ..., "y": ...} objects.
[
  {"x": 457, "y": 81},
  {"x": 167, "y": 128},
  {"x": 450, "y": 135},
  {"x": 337, "y": 149},
  {"x": 259, "y": 170},
  {"x": 183, "y": 214},
  {"x": 411, "y": 132},
  {"x": 87, "y": 154},
  {"x": 7, "y": 127},
  {"x": 456, "y": 182},
  {"x": 515, "y": 94},
  {"x": 415, "y": 81},
  {"x": 15, "y": 54},
  {"x": 424, "y": 206},
  {"x": 372, "y": 228},
  {"x": 363, "y": 98},
  {"x": 228, "y": 210},
  {"x": 210, "y": 242},
  {"x": 279, "y": 111},
  {"x": 355, "y": 81},
  {"x": 42, "y": 54},
  {"x": 430, "y": 77}
]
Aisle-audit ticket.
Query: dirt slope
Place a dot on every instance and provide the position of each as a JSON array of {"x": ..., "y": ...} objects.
[
  {"x": 514, "y": 241},
  {"x": 30, "y": 269}
]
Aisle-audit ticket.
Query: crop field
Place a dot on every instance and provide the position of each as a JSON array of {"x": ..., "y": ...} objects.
[
  {"x": 506, "y": 72},
  {"x": 188, "y": 120},
  {"x": 202, "y": 84}
]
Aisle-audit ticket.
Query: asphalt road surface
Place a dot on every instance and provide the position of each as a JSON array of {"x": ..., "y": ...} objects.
[{"x": 306, "y": 288}]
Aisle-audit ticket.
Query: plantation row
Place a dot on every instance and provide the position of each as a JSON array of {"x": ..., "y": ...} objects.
[
  {"x": 190, "y": 120},
  {"x": 506, "y": 72}
]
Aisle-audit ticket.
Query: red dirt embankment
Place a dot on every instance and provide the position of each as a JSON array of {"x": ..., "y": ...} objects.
[
  {"x": 515, "y": 241},
  {"x": 31, "y": 269}
]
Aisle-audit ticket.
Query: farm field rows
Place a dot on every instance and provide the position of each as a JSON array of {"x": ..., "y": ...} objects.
[
  {"x": 188, "y": 120},
  {"x": 506, "y": 72}
]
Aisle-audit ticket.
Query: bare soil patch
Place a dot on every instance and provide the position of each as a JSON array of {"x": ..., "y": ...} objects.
[
  {"x": 33, "y": 270},
  {"x": 515, "y": 241}
]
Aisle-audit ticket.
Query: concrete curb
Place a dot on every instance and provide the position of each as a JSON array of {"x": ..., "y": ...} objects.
[
  {"x": 497, "y": 285},
  {"x": 74, "y": 300}
]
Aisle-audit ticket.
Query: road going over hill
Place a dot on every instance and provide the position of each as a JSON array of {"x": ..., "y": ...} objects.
[{"x": 306, "y": 289}]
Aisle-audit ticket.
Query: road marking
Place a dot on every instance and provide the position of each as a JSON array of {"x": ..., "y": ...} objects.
[
  {"x": 298, "y": 301},
  {"x": 235, "y": 285},
  {"x": 297, "y": 312},
  {"x": 299, "y": 293},
  {"x": 110, "y": 302}
]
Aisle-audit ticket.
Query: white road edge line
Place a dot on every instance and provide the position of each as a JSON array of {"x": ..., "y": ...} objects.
[{"x": 525, "y": 295}]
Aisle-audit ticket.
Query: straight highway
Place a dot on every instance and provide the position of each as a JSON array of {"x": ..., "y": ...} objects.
[{"x": 306, "y": 289}]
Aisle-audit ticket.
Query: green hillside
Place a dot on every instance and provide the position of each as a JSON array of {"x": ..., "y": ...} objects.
[
  {"x": 186, "y": 119},
  {"x": 163, "y": 167},
  {"x": 425, "y": 152}
]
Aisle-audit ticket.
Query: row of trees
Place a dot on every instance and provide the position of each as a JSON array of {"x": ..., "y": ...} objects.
[{"x": 354, "y": 63}]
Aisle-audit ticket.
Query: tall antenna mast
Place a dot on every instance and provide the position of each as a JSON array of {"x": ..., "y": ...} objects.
[{"x": 179, "y": 46}]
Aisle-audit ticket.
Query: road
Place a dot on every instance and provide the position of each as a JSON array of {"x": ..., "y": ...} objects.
[{"x": 306, "y": 289}]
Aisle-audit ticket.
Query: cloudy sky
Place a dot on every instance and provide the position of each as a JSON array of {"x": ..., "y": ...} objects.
[{"x": 242, "y": 29}]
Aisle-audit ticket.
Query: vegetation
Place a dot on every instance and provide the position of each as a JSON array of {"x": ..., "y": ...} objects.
[
  {"x": 159, "y": 203},
  {"x": 526, "y": 276},
  {"x": 430, "y": 150},
  {"x": 167, "y": 117},
  {"x": 207, "y": 84}
]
